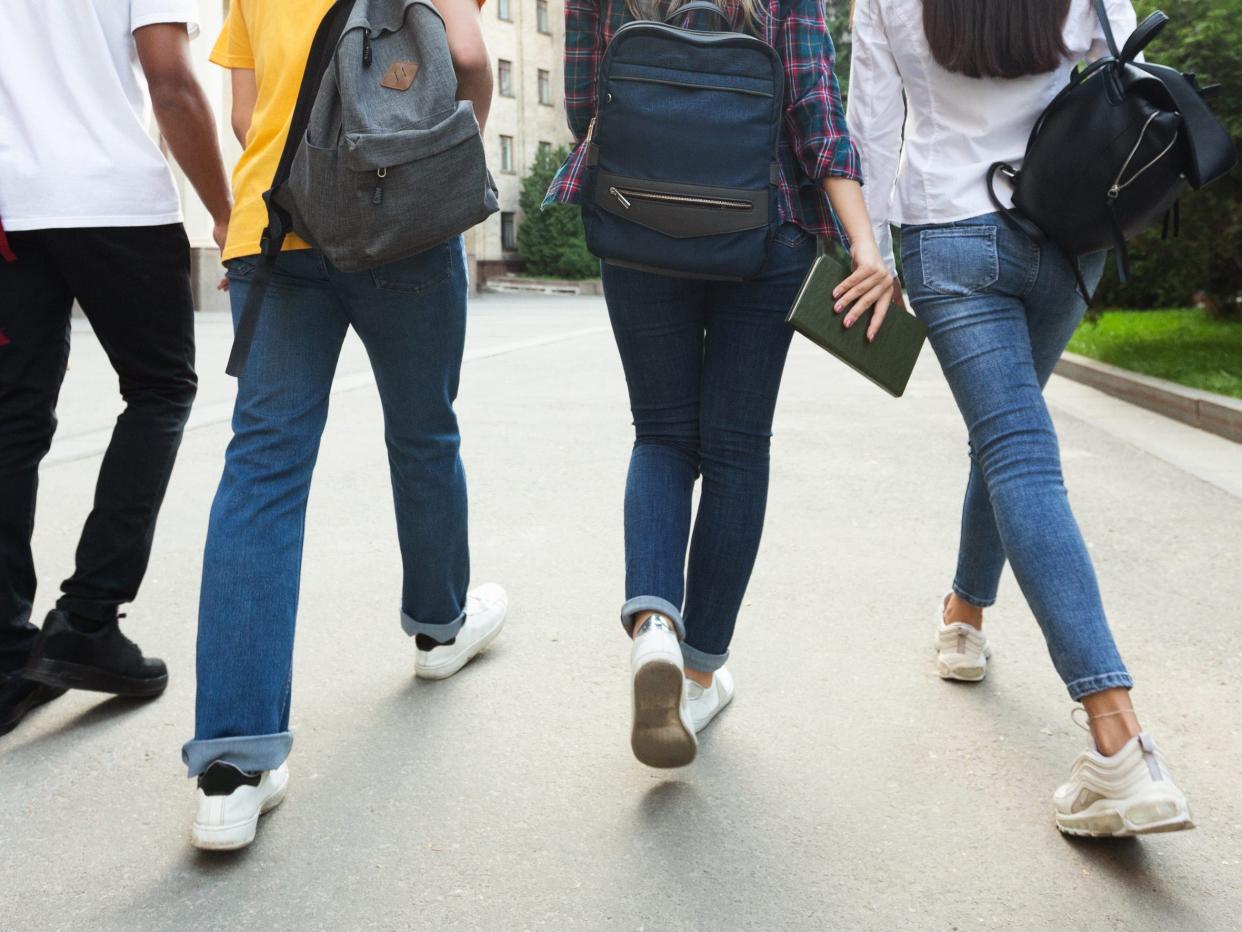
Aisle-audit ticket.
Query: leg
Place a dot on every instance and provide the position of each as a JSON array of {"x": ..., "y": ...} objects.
[
  {"x": 1050, "y": 324},
  {"x": 411, "y": 316},
  {"x": 744, "y": 359},
  {"x": 253, "y": 557},
  {"x": 981, "y": 335},
  {"x": 134, "y": 286},
  {"x": 35, "y": 301},
  {"x": 658, "y": 324}
]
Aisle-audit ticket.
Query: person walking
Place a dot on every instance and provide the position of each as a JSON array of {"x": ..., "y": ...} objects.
[
  {"x": 93, "y": 216},
  {"x": 703, "y": 362},
  {"x": 411, "y": 317},
  {"x": 1000, "y": 308}
]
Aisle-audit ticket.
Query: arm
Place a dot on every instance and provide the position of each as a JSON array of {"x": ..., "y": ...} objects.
[
  {"x": 470, "y": 56},
  {"x": 184, "y": 116},
  {"x": 582, "y": 52},
  {"x": 245, "y": 93},
  {"x": 815, "y": 125},
  {"x": 875, "y": 114}
]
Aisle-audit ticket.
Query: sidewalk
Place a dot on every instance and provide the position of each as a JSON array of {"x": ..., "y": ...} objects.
[{"x": 846, "y": 788}]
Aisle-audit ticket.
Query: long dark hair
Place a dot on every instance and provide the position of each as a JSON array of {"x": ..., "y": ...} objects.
[{"x": 996, "y": 38}]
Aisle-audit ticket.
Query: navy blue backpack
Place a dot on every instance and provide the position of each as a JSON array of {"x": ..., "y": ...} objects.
[{"x": 682, "y": 151}]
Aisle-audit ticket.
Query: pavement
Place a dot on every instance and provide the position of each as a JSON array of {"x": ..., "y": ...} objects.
[{"x": 846, "y": 788}]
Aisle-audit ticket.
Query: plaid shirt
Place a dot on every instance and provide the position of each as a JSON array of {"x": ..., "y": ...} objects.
[{"x": 814, "y": 145}]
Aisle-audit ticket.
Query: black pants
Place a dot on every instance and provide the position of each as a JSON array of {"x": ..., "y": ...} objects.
[{"x": 133, "y": 283}]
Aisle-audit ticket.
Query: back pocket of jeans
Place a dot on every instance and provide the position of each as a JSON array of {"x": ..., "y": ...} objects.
[{"x": 959, "y": 260}]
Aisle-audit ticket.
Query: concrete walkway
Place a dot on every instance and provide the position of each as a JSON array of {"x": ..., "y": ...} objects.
[{"x": 847, "y": 787}]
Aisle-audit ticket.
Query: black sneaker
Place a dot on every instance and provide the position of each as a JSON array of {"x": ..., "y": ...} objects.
[
  {"x": 18, "y": 696},
  {"x": 66, "y": 656}
]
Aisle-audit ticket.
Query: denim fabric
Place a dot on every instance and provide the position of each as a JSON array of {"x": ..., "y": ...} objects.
[
  {"x": 411, "y": 316},
  {"x": 134, "y": 286},
  {"x": 1000, "y": 309},
  {"x": 703, "y": 362}
]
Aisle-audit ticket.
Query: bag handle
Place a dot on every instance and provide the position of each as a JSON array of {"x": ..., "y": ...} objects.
[
  {"x": 279, "y": 222},
  {"x": 704, "y": 6},
  {"x": 1142, "y": 36}
]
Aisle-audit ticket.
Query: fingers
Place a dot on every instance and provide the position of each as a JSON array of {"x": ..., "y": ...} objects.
[
  {"x": 223, "y": 284},
  {"x": 864, "y": 285},
  {"x": 869, "y": 298},
  {"x": 877, "y": 318}
]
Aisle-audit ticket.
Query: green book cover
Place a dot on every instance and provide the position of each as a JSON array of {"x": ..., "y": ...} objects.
[{"x": 889, "y": 360}]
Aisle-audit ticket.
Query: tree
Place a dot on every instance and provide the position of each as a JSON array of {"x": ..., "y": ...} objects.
[{"x": 550, "y": 239}]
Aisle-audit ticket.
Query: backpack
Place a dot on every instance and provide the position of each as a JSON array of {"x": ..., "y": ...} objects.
[
  {"x": 382, "y": 161},
  {"x": 1114, "y": 151},
  {"x": 681, "y": 154}
]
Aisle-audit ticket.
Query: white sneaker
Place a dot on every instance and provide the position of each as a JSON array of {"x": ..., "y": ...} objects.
[
  {"x": 962, "y": 650},
  {"x": 706, "y": 702},
  {"x": 485, "y": 616},
  {"x": 1130, "y": 793},
  {"x": 229, "y": 808},
  {"x": 663, "y": 732}
]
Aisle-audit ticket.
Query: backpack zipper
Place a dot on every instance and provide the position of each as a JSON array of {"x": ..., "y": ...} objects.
[
  {"x": 1118, "y": 186},
  {"x": 624, "y": 194},
  {"x": 377, "y": 197}
]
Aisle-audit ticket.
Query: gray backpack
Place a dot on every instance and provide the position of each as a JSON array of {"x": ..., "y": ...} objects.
[{"x": 382, "y": 161}]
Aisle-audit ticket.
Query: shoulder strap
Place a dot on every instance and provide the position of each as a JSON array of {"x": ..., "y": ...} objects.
[
  {"x": 1101, "y": 12},
  {"x": 279, "y": 223}
]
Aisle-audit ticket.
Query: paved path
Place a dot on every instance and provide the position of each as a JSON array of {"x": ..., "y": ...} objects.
[{"x": 846, "y": 788}]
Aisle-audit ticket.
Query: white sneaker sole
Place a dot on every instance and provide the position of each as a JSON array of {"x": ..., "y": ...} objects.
[
  {"x": 444, "y": 670},
  {"x": 660, "y": 737},
  {"x": 1146, "y": 814},
  {"x": 962, "y": 671},
  {"x": 238, "y": 834}
]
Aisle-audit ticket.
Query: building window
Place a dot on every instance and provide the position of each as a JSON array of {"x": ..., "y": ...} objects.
[
  {"x": 503, "y": 11},
  {"x": 545, "y": 148},
  {"x": 545, "y": 87},
  {"x": 506, "y": 154},
  {"x": 541, "y": 17},
  {"x": 504, "y": 77},
  {"x": 508, "y": 232}
]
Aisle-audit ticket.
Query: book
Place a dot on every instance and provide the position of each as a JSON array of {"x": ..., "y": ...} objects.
[{"x": 889, "y": 360}]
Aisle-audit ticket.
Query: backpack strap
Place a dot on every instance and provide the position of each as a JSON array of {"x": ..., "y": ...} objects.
[
  {"x": 704, "y": 6},
  {"x": 279, "y": 221},
  {"x": 1101, "y": 13}
]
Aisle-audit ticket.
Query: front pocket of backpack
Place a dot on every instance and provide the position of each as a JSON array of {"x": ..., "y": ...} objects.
[
  {"x": 681, "y": 211},
  {"x": 959, "y": 261}
]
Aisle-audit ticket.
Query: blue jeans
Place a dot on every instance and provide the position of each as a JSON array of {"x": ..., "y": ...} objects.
[
  {"x": 703, "y": 362},
  {"x": 411, "y": 317},
  {"x": 1000, "y": 309}
]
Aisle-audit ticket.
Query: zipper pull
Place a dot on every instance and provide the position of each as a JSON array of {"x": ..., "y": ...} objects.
[
  {"x": 1114, "y": 192},
  {"x": 377, "y": 197},
  {"x": 590, "y": 131},
  {"x": 366, "y": 48},
  {"x": 621, "y": 197}
]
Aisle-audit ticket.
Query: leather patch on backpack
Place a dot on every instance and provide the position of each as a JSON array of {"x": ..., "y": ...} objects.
[{"x": 400, "y": 75}]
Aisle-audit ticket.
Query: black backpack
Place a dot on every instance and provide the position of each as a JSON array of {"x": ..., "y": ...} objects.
[{"x": 1114, "y": 151}]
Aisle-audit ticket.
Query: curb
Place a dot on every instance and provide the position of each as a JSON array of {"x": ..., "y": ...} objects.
[
  {"x": 1217, "y": 414},
  {"x": 506, "y": 284}
]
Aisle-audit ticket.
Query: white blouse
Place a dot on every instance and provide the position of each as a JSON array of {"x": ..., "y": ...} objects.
[{"x": 934, "y": 170}]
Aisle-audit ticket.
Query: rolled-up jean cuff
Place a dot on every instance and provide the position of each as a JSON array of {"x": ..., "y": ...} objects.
[
  {"x": 1097, "y": 684},
  {"x": 702, "y": 661},
  {"x": 974, "y": 600},
  {"x": 440, "y": 632},
  {"x": 651, "y": 603},
  {"x": 251, "y": 753}
]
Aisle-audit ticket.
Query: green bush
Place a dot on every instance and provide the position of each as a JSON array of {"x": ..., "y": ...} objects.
[
  {"x": 1204, "y": 37},
  {"x": 551, "y": 239}
]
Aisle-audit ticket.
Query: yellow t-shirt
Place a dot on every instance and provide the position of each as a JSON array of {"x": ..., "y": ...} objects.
[{"x": 273, "y": 37}]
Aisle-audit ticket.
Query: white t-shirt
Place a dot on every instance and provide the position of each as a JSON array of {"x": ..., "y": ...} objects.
[
  {"x": 74, "y": 149},
  {"x": 925, "y": 160}
]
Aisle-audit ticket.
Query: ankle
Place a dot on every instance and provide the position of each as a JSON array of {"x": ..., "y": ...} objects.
[
  {"x": 1111, "y": 719},
  {"x": 698, "y": 676},
  {"x": 958, "y": 611}
]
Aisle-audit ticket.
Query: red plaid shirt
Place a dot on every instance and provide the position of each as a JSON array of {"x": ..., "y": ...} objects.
[{"x": 815, "y": 143}]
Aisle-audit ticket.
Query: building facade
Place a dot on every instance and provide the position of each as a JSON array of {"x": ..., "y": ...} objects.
[{"x": 525, "y": 38}]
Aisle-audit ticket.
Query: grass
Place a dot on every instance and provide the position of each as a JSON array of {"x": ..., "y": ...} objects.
[{"x": 1183, "y": 346}]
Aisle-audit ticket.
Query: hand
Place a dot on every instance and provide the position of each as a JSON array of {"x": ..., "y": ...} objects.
[
  {"x": 869, "y": 286},
  {"x": 223, "y": 283},
  {"x": 220, "y": 232}
]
